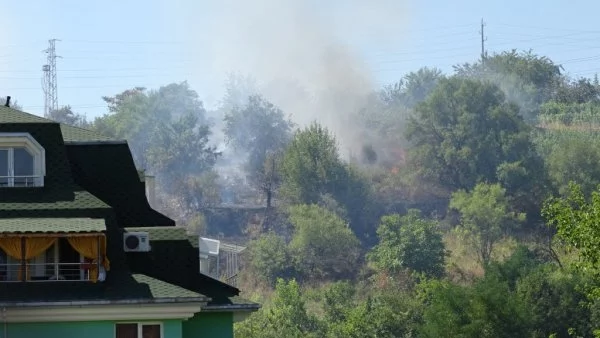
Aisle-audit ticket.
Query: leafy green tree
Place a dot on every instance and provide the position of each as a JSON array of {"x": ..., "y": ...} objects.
[
  {"x": 311, "y": 165},
  {"x": 337, "y": 299},
  {"x": 373, "y": 318},
  {"x": 261, "y": 131},
  {"x": 488, "y": 309},
  {"x": 485, "y": 217},
  {"x": 286, "y": 316},
  {"x": 418, "y": 85},
  {"x": 579, "y": 91},
  {"x": 313, "y": 173},
  {"x": 574, "y": 159},
  {"x": 168, "y": 135},
  {"x": 269, "y": 258},
  {"x": 555, "y": 300},
  {"x": 526, "y": 78},
  {"x": 576, "y": 221},
  {"x": 323, "y": 246},
  {"x": 466, "y": 132},
  {"x": 409, "y": 242}
]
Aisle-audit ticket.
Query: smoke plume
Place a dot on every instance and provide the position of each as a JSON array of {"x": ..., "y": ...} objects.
[{"x": 304, "y": 54}]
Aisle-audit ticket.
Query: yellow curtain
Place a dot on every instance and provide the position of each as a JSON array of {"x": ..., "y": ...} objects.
[
  {"x": 35, "y": 246},
  {"x": 88, "y": 248},
  {"x": 11, "y": 246}
]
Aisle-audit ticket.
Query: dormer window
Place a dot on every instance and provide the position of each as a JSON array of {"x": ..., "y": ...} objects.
[{"x": 22, "y": 161}]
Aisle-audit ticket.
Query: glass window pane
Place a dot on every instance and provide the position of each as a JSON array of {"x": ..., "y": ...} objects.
[
  {"x": 127, "y": 330},
  {"x": 151, "y": 331},
  {"x": 23, "y": 168},
  {"x": 3, "y": 167}
]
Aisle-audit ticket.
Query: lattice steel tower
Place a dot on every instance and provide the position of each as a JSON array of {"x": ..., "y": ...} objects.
[{"x": 49, "y": 83}]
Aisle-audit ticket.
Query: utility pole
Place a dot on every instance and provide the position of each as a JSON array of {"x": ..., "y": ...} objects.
[
  {"x": 483, "y": 38},
  {"x": 49, "y": 84}
]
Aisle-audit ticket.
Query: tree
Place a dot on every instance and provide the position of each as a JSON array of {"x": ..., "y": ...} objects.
[
  {"x": 269, "y": 258},
  {"x": 487, "y": 309},
  {"x": 418, "y": 85},
  {"x": 485, "y": 217},
  {"x": 579, "y": 91},
  {"x": 323, "y": 246},
  {"x": 409, "y": 242},
  {"x": 285, "y": 317},
  {"x": 466, "y": 133},
  {"x": 67, "y": 116},
  {"x": 574, "y": 159},
  {"x": 168, "y": 134},
  {"x": 576, "y": 221},
  {"x": 525, "y": 78},
  {"x": 261, "y": 131},
  {"x": 311, "y": 165},
  {"x": 554, "y": 299}
]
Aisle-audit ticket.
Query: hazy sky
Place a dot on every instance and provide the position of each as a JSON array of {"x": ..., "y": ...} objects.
[{"x": 109, "y": 46}]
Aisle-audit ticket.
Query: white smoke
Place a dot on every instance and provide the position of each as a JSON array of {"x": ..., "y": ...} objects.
[{"x": 304, "y": 54}]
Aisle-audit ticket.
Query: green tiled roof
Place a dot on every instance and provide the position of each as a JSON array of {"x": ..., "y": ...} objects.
[
  {"x": 167, "y": 233},
  {"x": 51, "y": 225},
  {"x": 70, "y": 133},
  {"x": 31, "y": 200},
  {"x": 160, "y": 289},
  {"x": 76, "y": 134},
  {"x": 9, "y": 115},
  {"x": 118, "y": 286}
]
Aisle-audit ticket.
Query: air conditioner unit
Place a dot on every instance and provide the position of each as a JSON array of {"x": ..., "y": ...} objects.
[
  {"x": 136, "y": 242},
  {"x": 208, "y": 247}
]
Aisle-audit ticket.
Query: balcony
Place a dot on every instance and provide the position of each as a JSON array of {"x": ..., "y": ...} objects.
[
  {"x": 52, "y": 250},
  {"x": 20, "y": 181},
  {"x": 52, "y": 272}
]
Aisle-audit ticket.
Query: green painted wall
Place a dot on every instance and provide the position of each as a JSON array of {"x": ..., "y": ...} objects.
[
  {"x": 101, "y": 329},
  {"x": 208, "y": 325}
]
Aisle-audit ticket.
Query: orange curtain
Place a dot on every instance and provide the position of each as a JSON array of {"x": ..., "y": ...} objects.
[
  {"x": 12, "y": 246},
  {"x": 35, "y": 246},
  {"x": 88, "y": 248}
]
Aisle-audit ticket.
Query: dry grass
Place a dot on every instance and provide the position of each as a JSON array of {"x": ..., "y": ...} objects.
[{"x": 462, "y": 264}]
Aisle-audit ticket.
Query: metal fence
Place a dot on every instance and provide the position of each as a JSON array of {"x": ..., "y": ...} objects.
[{"x": 46, "y": 272}]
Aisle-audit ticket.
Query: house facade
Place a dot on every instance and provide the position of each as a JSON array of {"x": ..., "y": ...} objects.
[{"x": 82, "y": 253}]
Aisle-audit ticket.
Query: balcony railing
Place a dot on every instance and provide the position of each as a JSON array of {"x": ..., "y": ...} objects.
[
  {"x": 46, "y": 272},
  {"x": 19, "y": 181}
]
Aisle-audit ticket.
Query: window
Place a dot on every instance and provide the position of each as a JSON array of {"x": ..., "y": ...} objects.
[
  {"x": 60, "y": 262},
  {"x": 16, "y": 168},
  {"x": 138, "y": 330},
  {"x": 22, "y": 161}
]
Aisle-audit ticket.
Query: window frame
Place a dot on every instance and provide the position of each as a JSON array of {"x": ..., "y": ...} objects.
[
  {"x": 140, "y": 326},
  {"x": 25, "y": 141}
]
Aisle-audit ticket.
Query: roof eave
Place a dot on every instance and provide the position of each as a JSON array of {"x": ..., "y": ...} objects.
[
  {"x": 94, "y": 143},
  {"x": 232, "y": 308},
  {"x": 79, "y": 303}
]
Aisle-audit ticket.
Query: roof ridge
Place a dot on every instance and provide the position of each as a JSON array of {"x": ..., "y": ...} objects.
[{"x": 33, "y": 115}]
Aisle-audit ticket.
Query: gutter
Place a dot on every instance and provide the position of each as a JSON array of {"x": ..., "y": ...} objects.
[
  {"x": 233, "y": 308},
  {"x": 93, "y": 143},
  {"x": 106, "y": 302}
]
